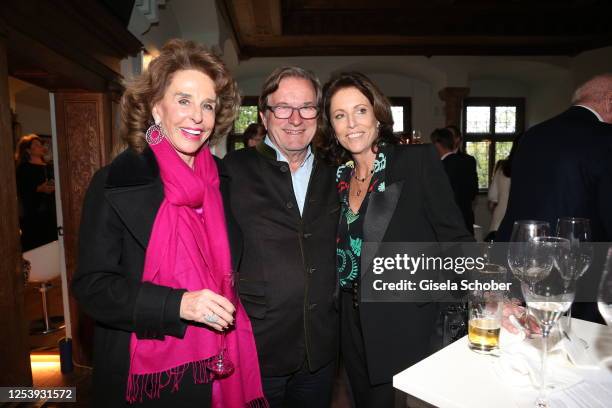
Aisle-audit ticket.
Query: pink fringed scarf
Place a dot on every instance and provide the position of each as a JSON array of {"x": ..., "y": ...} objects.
[{"x": 189, "y": 249}]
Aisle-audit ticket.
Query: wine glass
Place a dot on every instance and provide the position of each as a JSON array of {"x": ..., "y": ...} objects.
[
  {"x": 604, "y": 295},
  {"x": 416, "y": 137},
  {"x": 220, "y": 365},
  {"x": 550, "y": 297},
  {"x": 523, "y": 231},
  {"x": 578, "y": 231}
]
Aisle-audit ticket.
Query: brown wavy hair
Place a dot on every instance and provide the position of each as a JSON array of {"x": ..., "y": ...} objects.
[
  {"x": 22, "y": 155},
  {"x": 326, "y": 143},
  {"x": 144, "y": 91}
]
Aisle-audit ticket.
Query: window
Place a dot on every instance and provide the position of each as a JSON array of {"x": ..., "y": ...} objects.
[
  {"x": 401, "y": 109},
  {"x": 489, "y": 127},
  {"x": 247, "y": 114}
]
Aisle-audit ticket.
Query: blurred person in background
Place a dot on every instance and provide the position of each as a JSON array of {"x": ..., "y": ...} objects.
[
  {"x": 253, "y": 134},
  {"x": 461, "y": 171},
  {"x": 36, "y": 190},
  {"x": 499, "y": 190}
]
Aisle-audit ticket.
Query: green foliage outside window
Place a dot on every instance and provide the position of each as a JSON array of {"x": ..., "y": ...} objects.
[
  {"x": 502, "y": 150},
  {"x": 246, "y": 116},
  {"x": 480, "y": 151}
]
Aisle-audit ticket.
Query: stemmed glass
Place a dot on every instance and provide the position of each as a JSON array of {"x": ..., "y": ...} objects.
[
  {"x": 221, "y": 365},
  {"x": 550, "y": 297},
  {"x": 523, "y": 232},
  {"x": 604, "y": 295},
  {"x": 578, "y": 231}
]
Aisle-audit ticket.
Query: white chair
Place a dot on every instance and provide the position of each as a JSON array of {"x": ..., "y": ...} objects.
[{"x": 44, "y": 267}]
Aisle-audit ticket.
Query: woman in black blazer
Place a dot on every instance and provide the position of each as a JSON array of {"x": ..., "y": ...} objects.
[
  {"x": 389, "y": 193},
  {"x": 155, "y": 263}
]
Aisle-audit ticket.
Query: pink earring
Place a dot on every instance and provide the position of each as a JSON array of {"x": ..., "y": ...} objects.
[{"x": 154, "y": 134}]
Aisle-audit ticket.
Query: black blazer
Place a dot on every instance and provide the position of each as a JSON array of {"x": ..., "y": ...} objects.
[
  {"x": 287, "y": 274},
  {"x": 563, "y": 168},
  {"x": 118, "y": 214},
  {"x": 461, "y": 171},
  {"x": 416, "y": 206}
]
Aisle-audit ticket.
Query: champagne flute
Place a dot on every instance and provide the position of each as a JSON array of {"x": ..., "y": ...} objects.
[
  {"x": 604, "y": 295},
  {"x": 221, "y": 365},
  {"x": 550, "y": 297},
  {"x": 578, "y": 231},
  {"x": 524, "y": 231}
]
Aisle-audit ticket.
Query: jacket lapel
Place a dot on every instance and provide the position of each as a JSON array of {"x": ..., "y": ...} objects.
[
  {"x": 135, "y": 191},
  {"x": 137, "y": 207},
  {"x": 381, "y": 207},
  {"x": 233, "y": 230},
  {"x": 314, "y": 191}
]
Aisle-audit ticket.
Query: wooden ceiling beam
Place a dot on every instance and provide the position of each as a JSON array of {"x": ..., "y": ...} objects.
[
  {"x": 437, "y": 27},
  {"x": 256, "y": 18}
]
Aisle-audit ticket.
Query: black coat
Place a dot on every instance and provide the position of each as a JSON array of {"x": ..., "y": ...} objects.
[
  {"x": 416, "y": 206},
  {"x": 563, "y": 168},
  {"x": 118, "y": 215},
  {"x": 287, "y": 273},
  {"x": 461, "y": 171}
]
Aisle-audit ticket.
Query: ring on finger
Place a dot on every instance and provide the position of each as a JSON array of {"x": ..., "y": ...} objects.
[{"x": 211, "y": 318}]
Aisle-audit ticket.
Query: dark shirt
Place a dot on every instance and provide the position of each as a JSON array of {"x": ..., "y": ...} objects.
[
  {"x": 350, "y": 228},
  {"x": 38, "y": 222}
]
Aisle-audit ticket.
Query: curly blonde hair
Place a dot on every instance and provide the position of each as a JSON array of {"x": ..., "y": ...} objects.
[{"x": 144, "y": 91}]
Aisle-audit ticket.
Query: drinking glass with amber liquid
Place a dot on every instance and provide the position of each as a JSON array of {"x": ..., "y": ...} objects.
[{"x": 485, "y": 311}]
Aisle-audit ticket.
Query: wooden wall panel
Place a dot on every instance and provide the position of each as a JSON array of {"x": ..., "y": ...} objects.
[
  {"x": 14, "y": 344},
  {"x": 84, "y": 141}
]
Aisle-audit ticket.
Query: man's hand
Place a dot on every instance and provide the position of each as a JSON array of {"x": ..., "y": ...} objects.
[{"x": 514, "y": 311}]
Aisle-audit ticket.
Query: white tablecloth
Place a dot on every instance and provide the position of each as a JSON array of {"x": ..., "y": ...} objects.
[{"x": 458, "y": 377}]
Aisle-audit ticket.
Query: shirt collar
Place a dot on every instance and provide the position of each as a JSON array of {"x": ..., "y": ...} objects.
[
  {"x": 281, "y": 157},
  {"x": 446, "y": 155},
  {"x": 593, "y": 111}
]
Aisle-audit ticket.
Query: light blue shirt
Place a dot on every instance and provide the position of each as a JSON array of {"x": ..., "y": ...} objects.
[{"x": 300, "y": 177}]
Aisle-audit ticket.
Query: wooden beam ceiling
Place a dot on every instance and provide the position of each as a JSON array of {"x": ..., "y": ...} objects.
[{"x": 265, "y": 28}]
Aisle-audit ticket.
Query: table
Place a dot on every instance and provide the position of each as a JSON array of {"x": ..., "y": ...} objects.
[{"x": 456, "y": 377}]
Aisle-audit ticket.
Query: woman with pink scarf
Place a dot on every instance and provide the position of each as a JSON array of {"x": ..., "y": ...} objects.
[{"x": 158, "y": 246}]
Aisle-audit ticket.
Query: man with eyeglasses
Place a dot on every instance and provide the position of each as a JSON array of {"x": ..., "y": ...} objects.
[{"x": 286, "y": 204}]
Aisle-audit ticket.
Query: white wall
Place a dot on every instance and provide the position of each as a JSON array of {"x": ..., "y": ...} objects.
[
  {"x": 31, "y": 104},
  {"x": 590, "y": 63}
]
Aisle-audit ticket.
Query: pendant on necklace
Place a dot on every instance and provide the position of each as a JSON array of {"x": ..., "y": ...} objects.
[{"x": 358, "y": 193}]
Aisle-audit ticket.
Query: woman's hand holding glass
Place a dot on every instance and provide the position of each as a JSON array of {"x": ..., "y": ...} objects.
[{"x": 207, "y": 307}]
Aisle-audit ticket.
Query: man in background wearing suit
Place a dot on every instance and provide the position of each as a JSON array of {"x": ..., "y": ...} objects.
[
  {"x": 457, "y": 140},
  {"x": 563, "y": 168},
  {"x": 461, "y": 171},
  {"x": 286, "y": 204}
]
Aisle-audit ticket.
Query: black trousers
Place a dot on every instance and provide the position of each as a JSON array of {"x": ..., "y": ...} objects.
[
  {"x": 352, "y": 350},
  {"x": 302, "y": 389}
]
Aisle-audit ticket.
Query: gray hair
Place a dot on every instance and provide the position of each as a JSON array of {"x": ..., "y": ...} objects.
[{"x": 594, "y": 90}]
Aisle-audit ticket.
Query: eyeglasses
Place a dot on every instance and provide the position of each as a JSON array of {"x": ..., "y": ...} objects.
[{"x": 285, "y": 112}]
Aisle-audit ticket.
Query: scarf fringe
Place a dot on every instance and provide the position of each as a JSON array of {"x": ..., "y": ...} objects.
[
  {"x": 150, "y": 384},
  {"x": 258, "y": 403}
]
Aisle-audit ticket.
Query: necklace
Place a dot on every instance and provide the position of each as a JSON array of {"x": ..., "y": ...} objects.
[{"x": 361, "y": 180}]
